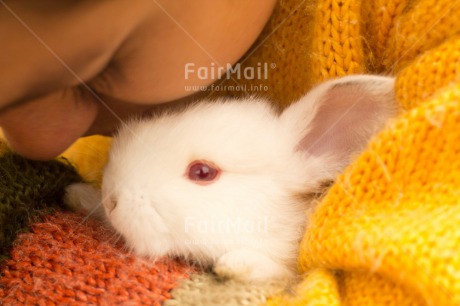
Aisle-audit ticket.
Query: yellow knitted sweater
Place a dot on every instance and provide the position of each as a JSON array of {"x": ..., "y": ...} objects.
[{"x": 387, "y": 231}]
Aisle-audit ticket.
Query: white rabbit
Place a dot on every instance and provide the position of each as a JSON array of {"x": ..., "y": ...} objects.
[{"x": 223, "y": 183}]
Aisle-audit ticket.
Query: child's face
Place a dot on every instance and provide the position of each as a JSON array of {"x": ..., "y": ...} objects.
[{"x": 71, "y": 69}]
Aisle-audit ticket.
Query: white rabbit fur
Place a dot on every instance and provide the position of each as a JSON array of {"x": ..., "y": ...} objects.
[{"x": 248, "y": 223}]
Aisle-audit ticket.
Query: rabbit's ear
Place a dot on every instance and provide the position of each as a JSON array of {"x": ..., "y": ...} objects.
[{"x": 337, "y": 119}]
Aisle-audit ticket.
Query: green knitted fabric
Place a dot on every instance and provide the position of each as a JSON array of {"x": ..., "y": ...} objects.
[{"x": 29, "y": 188}]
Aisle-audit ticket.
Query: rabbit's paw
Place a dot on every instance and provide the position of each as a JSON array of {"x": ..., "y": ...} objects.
[
  {"x": 81, "y": 196},
  {"x": 249, "y": 266}
]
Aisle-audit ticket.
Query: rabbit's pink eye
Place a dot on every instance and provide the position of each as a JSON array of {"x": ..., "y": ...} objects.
[{"x": 202, "y": 172}]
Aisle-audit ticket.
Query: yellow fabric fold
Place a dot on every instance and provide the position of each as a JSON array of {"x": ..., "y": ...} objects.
[
  {"x": 395, "y": 212},
  {"x": 89, "y": 155},
  {"x": 389, "y": 224},
  {"x": 318, "y": 287}
]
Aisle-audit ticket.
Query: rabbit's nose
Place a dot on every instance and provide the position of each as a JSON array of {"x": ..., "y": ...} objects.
[{"x": 110, "y": 204}]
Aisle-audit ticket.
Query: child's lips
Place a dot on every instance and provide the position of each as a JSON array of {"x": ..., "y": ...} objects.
[{"x": 47, "y": 126}]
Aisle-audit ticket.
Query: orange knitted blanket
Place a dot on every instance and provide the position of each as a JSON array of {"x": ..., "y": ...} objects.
[
  {"x": 386, "y": 232},
  {"x": 67, "y": 260}
]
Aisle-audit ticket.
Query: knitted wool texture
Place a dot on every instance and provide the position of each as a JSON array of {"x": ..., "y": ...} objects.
[
  {"x": 68, "y": 260},
  {"x": 28, "y": 189},
  {"x": 386, "y": 232}
]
